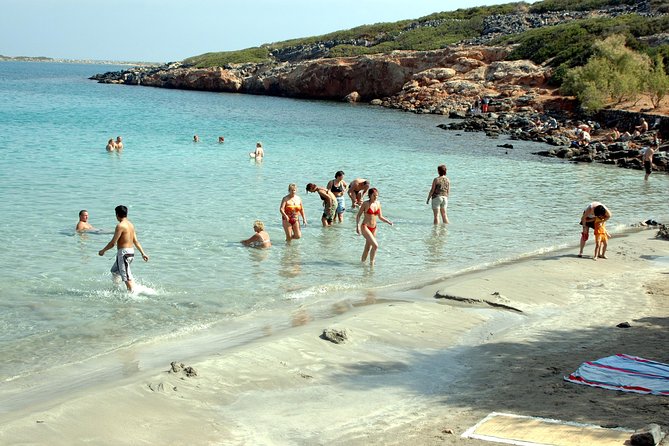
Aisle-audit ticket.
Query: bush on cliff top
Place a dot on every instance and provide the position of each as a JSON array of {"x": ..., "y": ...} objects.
[
  {"x": 576, "y": 5},
  {"x": 566, "y": 45},
  {"x": 249, "y": 55},
  {"x": 614, "y": 74},
  {"x": 570, "y": 43}
]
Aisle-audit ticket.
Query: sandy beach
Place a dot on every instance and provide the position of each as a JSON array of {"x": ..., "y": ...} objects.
[{"x": 414, "y": 369}]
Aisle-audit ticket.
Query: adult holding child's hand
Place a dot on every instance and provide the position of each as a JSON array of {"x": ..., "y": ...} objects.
[{"x": 590, "y": 213}]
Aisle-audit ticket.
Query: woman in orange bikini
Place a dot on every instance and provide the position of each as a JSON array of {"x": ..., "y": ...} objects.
[
  {"x": 370, "y": 210},
  {"x": 291, "y": 209}
]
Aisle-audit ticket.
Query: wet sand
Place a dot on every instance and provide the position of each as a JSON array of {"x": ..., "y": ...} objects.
[{"x": 414, "y": 367}]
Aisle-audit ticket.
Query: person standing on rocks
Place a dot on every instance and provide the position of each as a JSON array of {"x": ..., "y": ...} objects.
[
  {"x": 485, "y": 104},
  {"x": 590, "y": 213}
]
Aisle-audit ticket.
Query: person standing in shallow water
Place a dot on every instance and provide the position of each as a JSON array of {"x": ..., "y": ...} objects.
[
  {"x": 125, "y": 240},
  {"x": 338, "y": 186},
  {"x": 369, "y": 211},
  {"x": 119, "y": 143},
  {"x": 329, "y": 203},
  {"x": 291, "y": 209},
  {"x": 441, "y": 188},
  {"x": 357, "y": 190}
]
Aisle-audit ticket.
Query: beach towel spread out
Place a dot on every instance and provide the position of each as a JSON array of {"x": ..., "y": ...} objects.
[{"x": 624, "y": 372}]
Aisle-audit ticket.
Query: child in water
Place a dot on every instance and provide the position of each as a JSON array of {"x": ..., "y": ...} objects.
[{"x": 601, "y": 238}]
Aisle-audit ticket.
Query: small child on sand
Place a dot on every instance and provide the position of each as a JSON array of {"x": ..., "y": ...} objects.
[{"x": 601, "y": 238}]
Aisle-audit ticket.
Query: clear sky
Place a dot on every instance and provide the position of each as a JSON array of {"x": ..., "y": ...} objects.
[{"x": 171, "y": 30}]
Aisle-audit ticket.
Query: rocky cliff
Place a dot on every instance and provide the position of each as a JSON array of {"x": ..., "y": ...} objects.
[{"x": 437, "y": 81}]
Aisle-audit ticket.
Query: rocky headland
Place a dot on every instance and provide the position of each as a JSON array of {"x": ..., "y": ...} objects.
[{"x": 446, "y": 81}]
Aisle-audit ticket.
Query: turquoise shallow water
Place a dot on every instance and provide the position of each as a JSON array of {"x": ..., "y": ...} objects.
[{"x": 192, "y": 203}]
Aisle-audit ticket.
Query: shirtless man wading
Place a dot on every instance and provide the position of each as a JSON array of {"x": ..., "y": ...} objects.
[{"x": 125, "y": 239}]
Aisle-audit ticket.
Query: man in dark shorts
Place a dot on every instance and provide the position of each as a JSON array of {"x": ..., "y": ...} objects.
[
  {"x": 329, "y": 203},
  {"x": 647, "y": 157}
]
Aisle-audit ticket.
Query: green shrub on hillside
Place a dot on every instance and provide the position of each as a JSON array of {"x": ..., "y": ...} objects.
[
  {"x": 249, "y": 55},
  {"x": 615, "y": 74},
  {"x": 570, "y": 43},
  {"x": 576, "y": 5},
  {"x": 657, "y": 82}
]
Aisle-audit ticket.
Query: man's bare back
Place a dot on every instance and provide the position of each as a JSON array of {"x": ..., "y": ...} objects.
[{"x": 125, "y": 240}]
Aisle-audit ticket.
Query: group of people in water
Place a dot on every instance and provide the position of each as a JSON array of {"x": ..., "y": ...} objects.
[
  {"x": 114, "y": 146},
  {"x": 125, "y": 240},
  {"x": 333, "y": 199}
]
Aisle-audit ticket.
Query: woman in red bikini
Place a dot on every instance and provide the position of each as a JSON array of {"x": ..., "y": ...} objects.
[
  {"x": 291, "y": 209},
  {"x": 369, "y": 211}
]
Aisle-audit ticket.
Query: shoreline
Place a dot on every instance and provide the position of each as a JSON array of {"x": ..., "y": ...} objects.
[{"x": 413, "y": 366}]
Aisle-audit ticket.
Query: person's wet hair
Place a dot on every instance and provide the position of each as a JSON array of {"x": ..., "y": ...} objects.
[
  {"x": 371, "y": 191},
  {"x": 340, "y": 173},
  {"x": 121, "y": 211},
  {"x": 311, "y": 187},
  {"x": 81, "y": 212},
  {"x": 259, "y": 225},
  {"x": 600, "y": 211},
  {"x": 441, "y": 169}
]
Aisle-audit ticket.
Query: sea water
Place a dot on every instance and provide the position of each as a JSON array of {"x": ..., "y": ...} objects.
[{"x": 192, "y": 203}]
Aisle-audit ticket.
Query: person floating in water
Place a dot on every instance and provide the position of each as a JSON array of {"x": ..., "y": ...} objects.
[
  {"x": 125, "y": 239},
  {"x": 221, "y": 140},
  {"x": 260, "y": 239},
  {"x": 83, "y": 225},
  {"x": 196, "y": 138}
]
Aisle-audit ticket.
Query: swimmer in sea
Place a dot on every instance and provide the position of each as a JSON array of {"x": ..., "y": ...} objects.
[
  {"x": 111, "y": 146},
  {"x": 119, "y": 143},
  {"x": 369, "y": 211},
  {"x": 291, "y": 209},
  {"x": 260, "y": 239},
  {"x": 83, "y": 225},
  {"x": 125, "y": 240}
]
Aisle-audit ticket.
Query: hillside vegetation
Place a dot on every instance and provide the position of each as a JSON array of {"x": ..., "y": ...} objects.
[{"x": 563, "y": 46}]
